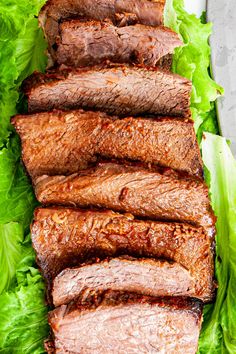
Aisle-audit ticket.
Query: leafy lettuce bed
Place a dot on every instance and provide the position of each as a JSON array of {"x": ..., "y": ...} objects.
[{"x": 23, "y": 314}]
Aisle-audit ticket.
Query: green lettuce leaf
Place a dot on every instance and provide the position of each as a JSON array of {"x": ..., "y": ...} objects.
[
  {"x": 17, "y": 200},
  {"x": 23, "y": 312},
  {"x": 23, "y": 317},
  {"x": 21, "y": 52},
  {"x": 12, "y": 238},
  {"x": 219, "y": 327},
  {"x": 192, "y": 61},
  {"x": 30, "y": 49},
  {"x": 23, "y": 320},
  {"x": 209, "y": 123}
]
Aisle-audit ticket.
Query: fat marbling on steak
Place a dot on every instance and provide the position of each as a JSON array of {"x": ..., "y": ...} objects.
[
  {"x": 116, "y": 89},
  {"x": 65, "y": 142},
  {"x": 64, "y": 237},
  {"x": 88, "y": 43},
  {"x": 127, "y": 323}
]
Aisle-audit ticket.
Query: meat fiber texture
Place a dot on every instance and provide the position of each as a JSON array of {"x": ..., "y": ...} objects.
[
  {"x": 132, "y": 189},
  {"x": 142, "y": 276},
  {"x": 88, "y": 43},
  {"x": 127, "y": 323},
  {"x": 64, "y": 237},
  {"x": 121, "y": 90},
  {"x": 65, "y": 142},
  {"x": 120, "y": 12}
]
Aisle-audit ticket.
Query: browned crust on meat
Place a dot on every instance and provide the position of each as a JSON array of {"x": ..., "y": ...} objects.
[
  {"x": 132, "y": 189},
  {"x": 64, "y": 237},
  {"x": 61, "y": 142},
  {"x": 115, "y": 298}
]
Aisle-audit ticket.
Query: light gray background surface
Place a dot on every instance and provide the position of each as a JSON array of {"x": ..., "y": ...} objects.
[
  {"x": 222, "y": 13},
  {"x": 195, "y": 6},
  {"x": 223, "y": 43}
]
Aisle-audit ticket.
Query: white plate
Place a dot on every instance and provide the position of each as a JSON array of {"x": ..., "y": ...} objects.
[{"x": 195, "y": 6}]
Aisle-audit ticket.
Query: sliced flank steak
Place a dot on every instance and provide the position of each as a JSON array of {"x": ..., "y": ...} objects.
[
  {"x": 64, "y": 237},
  {"x": 120, "y": 12},
  {"x": 89, "y": 43},
  {"x": 116, "y": 89},
  {"x": 61, "y": 142},
  {"x": 127, "y": 323},
  {"x": 142, "y": 276},
  {"x": 132, "y": 189}
]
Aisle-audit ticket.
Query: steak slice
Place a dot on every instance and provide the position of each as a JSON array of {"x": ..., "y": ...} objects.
[
  {"x": 144, "y": 276},
  {"x": 64, "y": 237},
  {"x": 131, "y": 189},
  {"x": 65, "y": 142},
  {"x": 118, "y": 90},
  {"x": 93, "y": 42},
  {"x": 127, "y": 323},
  {"x": 147, "y": 12},
  {"x": 121, "y": 12}
]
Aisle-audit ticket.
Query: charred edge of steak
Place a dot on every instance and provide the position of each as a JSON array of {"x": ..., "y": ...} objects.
[
  {"x": 49, "y": 345},
  {"x": 100, "y": 260},
  {"x": 115, "y": 298},
  {"x": 61, "y": 113},
  {"x": 165, "y": 63}
]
